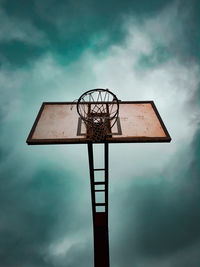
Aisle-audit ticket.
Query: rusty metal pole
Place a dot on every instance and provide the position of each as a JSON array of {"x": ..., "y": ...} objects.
[{"x": 100, "y": 219}]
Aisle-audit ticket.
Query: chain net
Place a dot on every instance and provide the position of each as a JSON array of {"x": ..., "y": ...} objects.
[{"x": 98, "y": 108}]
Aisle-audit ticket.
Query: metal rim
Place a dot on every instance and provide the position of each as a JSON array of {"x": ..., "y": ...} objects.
[{"x": 89, "y": 92}]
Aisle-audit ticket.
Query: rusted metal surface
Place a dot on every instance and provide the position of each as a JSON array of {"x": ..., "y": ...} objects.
[
  {"x": 139, "y": 120},
  {"x": 100, "y": 219},
  {"x": 56, "y": 122},
  {"x": 59, "y": 123}
]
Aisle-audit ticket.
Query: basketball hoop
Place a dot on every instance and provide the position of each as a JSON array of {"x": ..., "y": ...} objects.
[
  {"x": 60, "y": 123},
  {"x": 99, "y": 109}
]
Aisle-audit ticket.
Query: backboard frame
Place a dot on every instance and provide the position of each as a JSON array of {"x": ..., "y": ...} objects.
[{"x": 60, "y": 141}]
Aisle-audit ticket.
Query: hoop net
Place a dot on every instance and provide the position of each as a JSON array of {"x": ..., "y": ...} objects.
[{"x": 98, "y": 108}]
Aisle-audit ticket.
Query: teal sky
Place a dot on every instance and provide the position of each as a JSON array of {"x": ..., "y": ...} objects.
[{"x": 141, "y": 50}]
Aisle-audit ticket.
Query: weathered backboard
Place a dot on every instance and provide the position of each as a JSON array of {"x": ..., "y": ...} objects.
[{"x": 59, "y": 123}]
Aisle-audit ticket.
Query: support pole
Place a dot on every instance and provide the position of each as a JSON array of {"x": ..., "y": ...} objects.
[{"x": 99, "y": 210}]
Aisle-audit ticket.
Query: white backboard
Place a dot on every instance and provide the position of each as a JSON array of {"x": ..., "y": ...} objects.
[{"x": 59, "y": 123}]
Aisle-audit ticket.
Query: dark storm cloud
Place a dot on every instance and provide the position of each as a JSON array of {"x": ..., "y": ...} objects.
[
  {"x": 160, "y": 216},
  {"x": 30, "y": 212},
  {"x": 37, "y": 211},
  {"x": 67, "y": 27}
]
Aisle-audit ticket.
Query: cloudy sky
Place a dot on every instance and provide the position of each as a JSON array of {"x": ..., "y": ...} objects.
[{"x": 54, "y": 50}]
